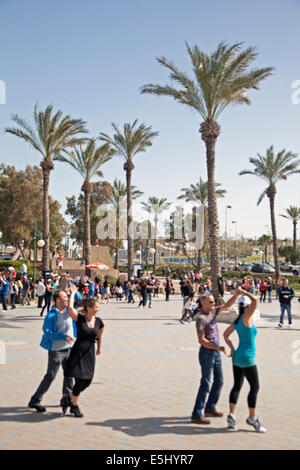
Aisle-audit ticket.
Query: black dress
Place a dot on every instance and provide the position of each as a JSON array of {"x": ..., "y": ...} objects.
[{"x": 81, "y": 362}]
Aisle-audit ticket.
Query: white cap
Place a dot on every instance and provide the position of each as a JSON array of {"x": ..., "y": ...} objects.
[{"x": 244, "y": 300}]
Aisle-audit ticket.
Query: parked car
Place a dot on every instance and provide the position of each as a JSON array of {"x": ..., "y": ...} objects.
[
  {"x": 258, "y": 268},
  {"x": 285, "y": 267},
  {"x": 246, "y": 266},
  {"x": 295, "y": 269}
]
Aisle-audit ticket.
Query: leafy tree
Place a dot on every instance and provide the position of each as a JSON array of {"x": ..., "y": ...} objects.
[
  {"x": 53, "y": 134},
  {"x": 273, "y": 168},
  {"x": 87, "y": 162},
  {"x": 293, "y": 214},
  {"x": 21, "y": 201},
  {"x": 156, "y": 207},
  {"x": 220, "y": 79},
  {"x": 127, "y": 144}
]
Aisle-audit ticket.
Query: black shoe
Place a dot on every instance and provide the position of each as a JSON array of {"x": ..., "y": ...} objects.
[
  {"x": 65, "y": 402},
  {"x": 76, "y": 411},
  {"x": 37, "y": 407}
]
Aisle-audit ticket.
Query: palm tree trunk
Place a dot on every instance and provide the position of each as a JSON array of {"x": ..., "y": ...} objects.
[
  {"x": 295, "y": 238},
  {"x": 128, "y": 167},
  {"x": 271, "y": 195},
  {"x": 117, "y": 238},
  {"x": 209, "y": 132},
  {"x": 46, "y": 219},
  {"x": 155, "y": 246},
  {"x": 87, "y": 189},
  {"x": 199, "y": 260}
]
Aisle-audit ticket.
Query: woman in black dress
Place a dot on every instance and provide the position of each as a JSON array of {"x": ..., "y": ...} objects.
[{"x": 81, "y": 362}]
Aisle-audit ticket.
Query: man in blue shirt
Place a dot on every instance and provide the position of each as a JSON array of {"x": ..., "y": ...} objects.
[
  {"x": 58, "y": 338},
  {"x": 4, "y": 284}
]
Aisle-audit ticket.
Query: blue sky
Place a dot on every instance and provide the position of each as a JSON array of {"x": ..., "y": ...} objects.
[{"x": 90, "y": 58}]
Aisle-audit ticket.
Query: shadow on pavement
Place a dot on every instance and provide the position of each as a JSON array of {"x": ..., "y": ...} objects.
[
  {"x": 26, "y": 415},
  {"x": 146, "y": 426}
]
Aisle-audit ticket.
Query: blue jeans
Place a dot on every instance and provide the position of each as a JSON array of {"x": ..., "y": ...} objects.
[
  {"x": 288, "y": 308},
  {"x": 270, "y": 296},
  {"x": 149, "y": 297},
  {"x": 210, "y": 362}
]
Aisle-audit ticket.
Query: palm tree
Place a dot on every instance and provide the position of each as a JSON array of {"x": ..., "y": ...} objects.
[
  {"x": 133, "y": 140},
  {"x": 266, "y": 241},
  {"x": 220, "y": 79},
  {"x": 198, "y": 193},
  {"x": 273, "y": 168},
  {"x": 118, "y": 195},
  {"x": 52, "y": 136},
  {"x": 87, "y": 162},
  {"x": 293, "y": 213},
  {"x": 156, "y": 207}
]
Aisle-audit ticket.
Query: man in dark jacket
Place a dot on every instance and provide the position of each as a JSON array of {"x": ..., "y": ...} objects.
[{"x": 286, "y": 293}]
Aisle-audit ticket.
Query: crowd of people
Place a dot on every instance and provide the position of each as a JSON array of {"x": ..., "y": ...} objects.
[{"x": 71, "y": 328}]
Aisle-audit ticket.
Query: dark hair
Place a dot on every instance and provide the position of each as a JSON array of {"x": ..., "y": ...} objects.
[
  {"x": 242, "y": 308},
  {"x": 56, "y": 295},
  {"x": 88, "y": 303}
]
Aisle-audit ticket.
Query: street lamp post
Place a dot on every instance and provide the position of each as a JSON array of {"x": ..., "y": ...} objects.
[
  {"x": 235, "y": 243},
  {"x": 225, "y": 260},
  {"x": 40, "y": 243}
]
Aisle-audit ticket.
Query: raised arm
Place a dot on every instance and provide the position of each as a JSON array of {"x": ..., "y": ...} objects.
[
  {"x": 232, "y": 300},
  {"x": 250, "y": 309},
  {"x": 71, "y": 310}
]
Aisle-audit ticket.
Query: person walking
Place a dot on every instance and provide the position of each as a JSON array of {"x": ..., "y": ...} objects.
[
  {"x": 41, "y": 290},
  {"x": 58, "y": 338},
  {"x": 48, "y": 296},
  {"x": 4, "y": 287},
  {"x": 25, "y": 290},
  {"x": 167, "y": 289},
  {"x": 130, "y": 289},
  {"x": 243, "y": 360},
  {"x": 142, "y": 287},
  {"x": 188, "y": 294},
  {"x": 286, "y": 293},
  {"x": 269, "y": 289},
  {"x": 263, "y": 290},
  {"x": 149, "y": 290},
  {"x": 81, "y": 362},
  {"x": 209, "y": 358},
  {"x": 13, "y": 290}
]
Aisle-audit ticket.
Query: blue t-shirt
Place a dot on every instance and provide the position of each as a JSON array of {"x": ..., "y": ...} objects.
[
  {"x": 244, "y": 356},
  {"x": 4, "y": 288}
]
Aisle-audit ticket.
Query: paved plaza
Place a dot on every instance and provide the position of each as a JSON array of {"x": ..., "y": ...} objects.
[{"x": 145, "y": 385}]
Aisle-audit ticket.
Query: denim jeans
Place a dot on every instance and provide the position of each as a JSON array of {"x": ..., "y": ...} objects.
[
  {"x": 288, "y": 308},
  {"x": 4, "y": 301},
  {"x": 55, "y": 360},
  {"x": 210, "y": 362},
  {"x": 149, "y": 297},
  {"x": 269, "y": 296}
]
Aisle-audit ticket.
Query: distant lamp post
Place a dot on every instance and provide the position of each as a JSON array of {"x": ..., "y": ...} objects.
[
  {"x": 40, "y": 243},
  {"x": 225, "y": 260},
  {"x": 235, "y": 243}
]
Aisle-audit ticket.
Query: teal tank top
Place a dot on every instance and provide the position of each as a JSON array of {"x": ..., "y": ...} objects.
[{"x": 244, "y": 356}]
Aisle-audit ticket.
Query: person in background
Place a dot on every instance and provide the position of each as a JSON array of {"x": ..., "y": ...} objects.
[
  {"x": 41, "y": 290},
  {"x": 263, "y": 290},
  {"x": 167, "y": 289},
  {"x": 48, "y": 296},
  {"x": 278, "y": 285},
  {"x": 13, "y": 290},
  {"x": 269, "y": 289},
  {"x": 286, "y": 293},
  {"x": 4, "y": 287},
  {"x": 130, "y": 289},
  {"x": 26, "y": 291}
]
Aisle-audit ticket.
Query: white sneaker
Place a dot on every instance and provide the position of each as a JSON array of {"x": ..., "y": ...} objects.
[
  {"x": 231, "y": 422},
  {"x": 280, "y": 325},
  {"x": 290, "y": 326},
  {"x": 256, "y": 424}
]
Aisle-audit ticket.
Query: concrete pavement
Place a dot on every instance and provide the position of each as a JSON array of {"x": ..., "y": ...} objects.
[{"x": 145, "y": 385}]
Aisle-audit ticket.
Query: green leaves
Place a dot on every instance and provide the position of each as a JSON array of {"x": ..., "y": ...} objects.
[{"x": 220, "y": 79}]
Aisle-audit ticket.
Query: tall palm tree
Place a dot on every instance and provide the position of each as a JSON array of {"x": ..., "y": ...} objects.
[
  {"x": 133, "y": 140},
  {"x": 118, "y": 195},
  {"x": 198, "y": 193},
  {"x": 293, "y": 214},
  {"x": 87, "y": 162},
  {"x": 273, "y": 168},
  {"x": 220, "y": 79},
  {"x": 156, "y": 207},
  {"x": 53, "y": 135}
]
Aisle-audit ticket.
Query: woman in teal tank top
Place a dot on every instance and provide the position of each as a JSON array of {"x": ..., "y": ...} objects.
[{"x": 243, "y": 360}]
